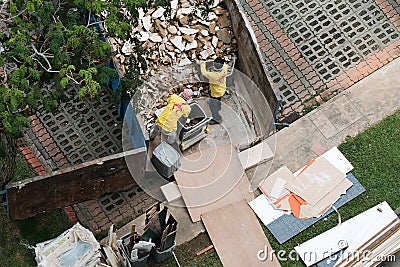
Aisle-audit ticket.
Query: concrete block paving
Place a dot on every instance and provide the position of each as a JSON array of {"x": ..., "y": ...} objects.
[{"x": 320, "y": 48}]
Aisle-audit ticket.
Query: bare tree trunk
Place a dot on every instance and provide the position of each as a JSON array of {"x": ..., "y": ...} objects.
[{"x": 8, "y": 154}]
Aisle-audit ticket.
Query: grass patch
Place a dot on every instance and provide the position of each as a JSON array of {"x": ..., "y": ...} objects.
[
  {"x": 375, "y": 157},
  {"x": 24, "y": 170},
  {"x": 186, "y": 254},
  {"x": 15, "y": 235}
]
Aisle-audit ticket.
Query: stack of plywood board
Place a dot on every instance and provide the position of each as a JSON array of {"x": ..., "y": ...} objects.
[
  {"x": 215, "y": 190},
  {"x": 211, "y": 179},
  {"x": 313, "y": 189},
  {"x": 238, "y": 237},
  {"x": 364, "y": 240}
]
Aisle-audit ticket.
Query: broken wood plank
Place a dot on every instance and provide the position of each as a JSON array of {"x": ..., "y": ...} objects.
[
  {"x": 238, "y": 237},
  {"x": 75, "y": 184},
  {"x": 204, "y": 250},
  {"x": 352, "y": 233}
]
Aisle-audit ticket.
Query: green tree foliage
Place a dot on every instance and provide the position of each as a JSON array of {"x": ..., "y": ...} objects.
[
  {"x": 57, "y": 42},
  {"x": 48, "y": 42}
]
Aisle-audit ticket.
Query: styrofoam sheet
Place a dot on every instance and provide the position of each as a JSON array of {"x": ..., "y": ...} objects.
[
  {"x": 337, "y": 159},
  {"x": 264, "y": 210},
  {"x": 351, "y": 233}
]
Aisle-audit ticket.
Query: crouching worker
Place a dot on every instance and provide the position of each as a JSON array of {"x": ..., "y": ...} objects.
[
  {"x": 166, "y": 123},
  {"x": 217, "y": 80}
]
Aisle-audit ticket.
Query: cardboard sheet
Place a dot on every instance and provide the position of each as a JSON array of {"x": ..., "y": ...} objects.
[
  {"x": 314, "y": 182},
  {"x": 309, "y": 211},
  {"x": 336, "y": 158},
  {"x": 237, "y": 236},
  {"x": 352, "y": 234},
  {"x": 255, "y": 155},
  {"x": 282, "y": 173},
  {"x": 287, "y": 226},
  {"x": 211, "y": 179}
]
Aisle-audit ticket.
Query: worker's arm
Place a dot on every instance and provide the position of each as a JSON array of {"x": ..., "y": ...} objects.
[
  {"x": 203, "y": 70},
  {"x": 225, "y": 68},
  {"x": 186, "y": 110}
]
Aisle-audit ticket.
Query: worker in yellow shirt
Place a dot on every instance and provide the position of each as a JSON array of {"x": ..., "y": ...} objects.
[
  {"x": 217, "y": 80},
  {"x": 166, "y": 123}
]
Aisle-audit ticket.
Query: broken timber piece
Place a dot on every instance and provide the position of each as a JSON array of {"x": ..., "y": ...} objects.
[
  {"x": 204, "y": 250},
  {"x": 238, "y": 220},
  {"x": 132, "y": 236},
  {"x": 255, "y": 155}
]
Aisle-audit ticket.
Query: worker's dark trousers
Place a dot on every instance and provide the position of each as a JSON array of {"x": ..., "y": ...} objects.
[{"x": 215, "y": 107}]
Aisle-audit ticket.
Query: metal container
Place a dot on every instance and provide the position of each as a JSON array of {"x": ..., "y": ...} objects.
[
  {"x": 188, "y": 136},
  {"x": 165, "y": 159}
]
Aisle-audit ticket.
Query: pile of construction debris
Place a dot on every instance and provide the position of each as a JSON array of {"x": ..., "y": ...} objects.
[{"x": 189, "y": 31}]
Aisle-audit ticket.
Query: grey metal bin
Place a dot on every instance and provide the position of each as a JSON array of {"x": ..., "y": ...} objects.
[
  {"x": 188, "y": 136},
  {"x": 165, "y": 160}
]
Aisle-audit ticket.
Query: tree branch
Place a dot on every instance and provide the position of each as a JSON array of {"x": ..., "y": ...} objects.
[
  {"x": 94, "y": 23},
  {"x": 11, "y": 18},
  {"x": 43, "y": 56},
  {"x": 55, "y": 71}
]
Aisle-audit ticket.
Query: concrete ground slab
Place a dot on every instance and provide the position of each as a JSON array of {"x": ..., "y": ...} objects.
[{"x": 351, "y": 112}]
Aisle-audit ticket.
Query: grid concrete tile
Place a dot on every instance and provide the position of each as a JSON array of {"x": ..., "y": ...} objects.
[{"x": 333, "y": 38}]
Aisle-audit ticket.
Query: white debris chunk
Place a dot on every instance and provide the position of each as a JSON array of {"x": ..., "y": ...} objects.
[
  {"x": 188, "y": 31},
  {"x": 146, "y": 21},
  {"x": 178, "y": 43},
  {"x": 158, "y": 13},
  {"x": 155, "y": 38}
]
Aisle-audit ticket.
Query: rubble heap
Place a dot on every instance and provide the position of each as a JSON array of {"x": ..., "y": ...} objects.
[{"x": 186, "y": 32}]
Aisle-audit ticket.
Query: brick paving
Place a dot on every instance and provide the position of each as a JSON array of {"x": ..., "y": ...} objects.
[
  {"x": 79, "y": 131},
  {"x": 316, "y": 49}
]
